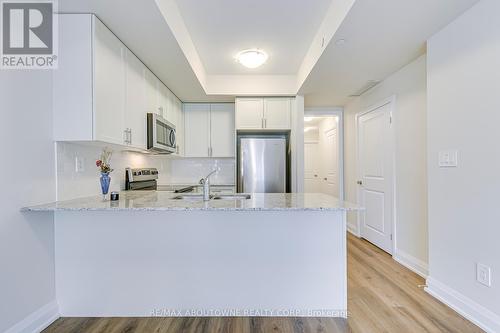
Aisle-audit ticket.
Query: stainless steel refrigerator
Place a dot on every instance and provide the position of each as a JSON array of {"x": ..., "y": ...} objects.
[{"x": 263, "y": 164}]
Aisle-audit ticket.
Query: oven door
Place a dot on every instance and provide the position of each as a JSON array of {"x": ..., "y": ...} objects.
[{"x": 161, "y": 134}]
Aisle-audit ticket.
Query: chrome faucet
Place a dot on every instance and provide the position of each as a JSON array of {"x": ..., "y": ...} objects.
[{"x": 206, "y": 185}]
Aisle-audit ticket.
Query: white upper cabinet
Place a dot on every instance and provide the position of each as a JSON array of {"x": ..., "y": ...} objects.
[
  {"x": 277, "y": 113},
  {"x": 136, "y": 101},
  {"x": 102, "y": 91},
  {"x": 273, "y": 113},
  {"x": 249, "y": 113},
  {"x": 209, "y": 130},
  {"x": 109, "y": 83},
  {"x": 197, "y": 130},
  {"x": 222, "y": 132},
  {"x": 152, "y": 86},
  {"x": 179, "y": 126}
]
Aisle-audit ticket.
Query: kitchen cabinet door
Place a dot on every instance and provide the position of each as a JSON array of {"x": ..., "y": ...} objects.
[
  {"x": 109, "y": 81},
  {"x": 277, "y": 113},
  {"x": 152, "y": 93},
  {"x": 136, "y": 101},
  {"x": 163, "y": 100},
  {"x": 222, "y": 132},
  {"x": 179, "y": 126},
  {"x": 197, "y": 130},
  {"x": 249, "y": 113}
]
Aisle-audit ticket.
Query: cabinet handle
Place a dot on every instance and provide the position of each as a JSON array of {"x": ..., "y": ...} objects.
[
  {"x": 265, "y": 122},
  {"x": 130, "y": 136},
  {"x": 208, "y": 151},
  {"x": 262, "y": 123},
  {"x": 125, "y": 136}
]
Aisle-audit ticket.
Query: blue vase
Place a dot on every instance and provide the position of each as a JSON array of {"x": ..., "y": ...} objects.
[{"x": 105, "y": 181}]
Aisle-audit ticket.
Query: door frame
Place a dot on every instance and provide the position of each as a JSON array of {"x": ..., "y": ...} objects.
[
  {"x": 338, "y": 112},
  {"x": 392, "y": 146}
]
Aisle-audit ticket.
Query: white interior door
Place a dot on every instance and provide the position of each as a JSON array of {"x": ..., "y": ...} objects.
[
  {"x": 311, "y": 170},
  {"x": 376, "y": 174},
  {"x": 331, "y": 158}
]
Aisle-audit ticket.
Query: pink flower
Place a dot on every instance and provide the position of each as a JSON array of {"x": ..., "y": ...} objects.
[{"x": 98, "y": 163}]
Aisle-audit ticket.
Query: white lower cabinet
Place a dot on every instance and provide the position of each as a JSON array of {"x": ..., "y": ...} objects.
[
  {"x": 102, "y": 91},
  {"x": 209, "y": 130}
]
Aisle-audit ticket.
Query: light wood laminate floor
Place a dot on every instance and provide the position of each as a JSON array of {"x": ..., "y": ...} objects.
[{"x": 383, "y": 297}]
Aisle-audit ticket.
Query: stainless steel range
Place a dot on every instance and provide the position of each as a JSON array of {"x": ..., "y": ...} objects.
[{"x": 141, "y": 179}]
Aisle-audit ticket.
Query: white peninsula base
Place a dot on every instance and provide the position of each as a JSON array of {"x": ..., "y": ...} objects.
[{"x": 201, "y": 263}]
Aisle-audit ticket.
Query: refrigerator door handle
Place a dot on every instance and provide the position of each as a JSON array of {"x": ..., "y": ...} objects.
[{"x": 240, "y": 178}]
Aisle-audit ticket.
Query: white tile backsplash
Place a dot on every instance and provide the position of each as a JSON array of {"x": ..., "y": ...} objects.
[
  {"x": 191, "y": 170},
  {"x": 85, "y": 182}
]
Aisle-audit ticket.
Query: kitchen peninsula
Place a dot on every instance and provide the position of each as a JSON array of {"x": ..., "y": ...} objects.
[{"x": 150, "y": 254}]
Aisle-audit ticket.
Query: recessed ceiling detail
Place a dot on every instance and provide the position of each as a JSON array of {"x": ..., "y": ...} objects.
[
  {"x": 209, "y": 32},
  {"x": 322, "y": 49}
]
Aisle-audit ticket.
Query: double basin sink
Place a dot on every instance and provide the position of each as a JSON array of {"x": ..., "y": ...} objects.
[{"x": 213, "y": 197}]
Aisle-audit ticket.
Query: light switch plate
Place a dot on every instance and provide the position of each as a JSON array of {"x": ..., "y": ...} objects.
[
  {"x": 448, "y": 158},
  {"x": 483, "y": 274}
]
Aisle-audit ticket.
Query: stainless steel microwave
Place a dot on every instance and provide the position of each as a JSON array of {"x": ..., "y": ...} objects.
[{"x": 161, "y": 134}]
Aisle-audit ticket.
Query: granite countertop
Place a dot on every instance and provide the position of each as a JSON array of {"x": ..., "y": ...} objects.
[
  {"x": 173, "y": 187},
  {"x": 163, "y": 201}
]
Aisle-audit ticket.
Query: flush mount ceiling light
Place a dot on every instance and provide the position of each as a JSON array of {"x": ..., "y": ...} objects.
[{"x": 251, "y": 58}]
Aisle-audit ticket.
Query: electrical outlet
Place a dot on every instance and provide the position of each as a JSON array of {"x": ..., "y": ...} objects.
[
  {"x": 79, "y": 164},
  {"x": 483, "y": 274}
]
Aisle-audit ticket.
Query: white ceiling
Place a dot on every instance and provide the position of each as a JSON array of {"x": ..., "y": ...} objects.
[
  {"x": 189, "y": 44},
  {"x": 283, "y": 28},
  {"x": 381, "y": 37}
]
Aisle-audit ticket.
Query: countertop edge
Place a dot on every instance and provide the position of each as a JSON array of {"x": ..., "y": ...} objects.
[{"x": 183, "y": 209}]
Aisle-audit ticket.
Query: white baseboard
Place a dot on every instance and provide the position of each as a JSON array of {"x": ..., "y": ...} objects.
[
  {"x": 413, "y": 264},
  {"x": 353, "y": 230},
  {"x": 476, "y": 313},
  {"x": 38, "y": 320}
]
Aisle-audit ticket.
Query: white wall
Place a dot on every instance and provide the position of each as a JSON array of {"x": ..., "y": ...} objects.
[
  {"x": 464, "y": 114},
  {"x": 27, "y": 169},
  {"x": 72, "y": 184},
  {"x": 409, "y": 119}
]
